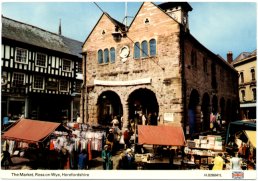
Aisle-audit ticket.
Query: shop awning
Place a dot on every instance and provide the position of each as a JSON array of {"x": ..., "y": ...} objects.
[
  {"x": 31, "y": 131},
  {"x": 161, "y": 135},
  {"x": 251, "y": 135}
]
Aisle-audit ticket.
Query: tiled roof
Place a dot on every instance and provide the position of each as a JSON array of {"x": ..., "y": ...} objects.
[
  {"x": 33, "y": 35},
  {"x": 245, "y": 55}
]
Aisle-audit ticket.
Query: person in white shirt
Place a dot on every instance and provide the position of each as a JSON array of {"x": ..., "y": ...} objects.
[{"x": 236, "y": 162}]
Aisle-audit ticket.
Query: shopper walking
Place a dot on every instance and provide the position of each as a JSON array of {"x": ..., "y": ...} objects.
[{"x": 107, "y": 158}]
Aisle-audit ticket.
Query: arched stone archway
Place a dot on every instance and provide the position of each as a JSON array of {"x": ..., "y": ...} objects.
[
  {"x": 205, "y": 112},
  {"x": 194, "y": 113},
  {"x": 143, "y": 101},
  {"x": 109, "y": 105}
]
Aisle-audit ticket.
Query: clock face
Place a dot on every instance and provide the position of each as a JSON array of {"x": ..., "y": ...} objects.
[{"x": 124, "y": 52}]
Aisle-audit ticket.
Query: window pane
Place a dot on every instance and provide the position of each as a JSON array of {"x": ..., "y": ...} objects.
[
  {"x": 137, "y": 50},
  {"x": 254, "y": 94},
  {"x": 243, "y": 95},
  {"x": 66, "y": 65},
  {"x": 242, "y": 77},
  {"x": 112, "y": 55},
  {"x": 152, "y": 47},
  {"x": 18, "y": 79},
  {"x": 106, "y": 56},
  {"x": 79, "y": 68},
  {"x": 63, "y": 85},
  {"x": 21, "y": 55},
  {"x": 100, "y": 56},
  {"x": 144, "y": 49},
  {"x": 41, "y": 60},
  {"x": 38, "y": 82},
  {"x": 253, "y": 74}
]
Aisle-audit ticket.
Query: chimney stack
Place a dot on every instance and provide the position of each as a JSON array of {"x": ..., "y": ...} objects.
[{"x": 230, "y": 57}]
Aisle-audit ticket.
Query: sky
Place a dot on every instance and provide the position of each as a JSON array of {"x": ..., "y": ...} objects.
[{"x": 219, "y": 26}]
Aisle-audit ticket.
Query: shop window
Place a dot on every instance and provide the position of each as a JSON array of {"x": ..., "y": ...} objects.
[
  {"x": 253, "y": 74},
  {"x": 41, "y": 60},
  {"x": 254, "y": 94},
  {"x": 38, "y": 82},
  {"x": 106, "y": 56},
  {"x": 153, "y": 47},
  {"x": 18, "y": 79},
  {"x": 21, "y": 55},
  {"x": 144, "y": 46},
  {"x": 16, "y": 108},
  {"x": 63, "y": 86},
  {"x": 100, "y": 56},
  {"x": 112, "y": 55},
  {"x": 136, "y": 50},
  {"x": 67, "y": 65}
]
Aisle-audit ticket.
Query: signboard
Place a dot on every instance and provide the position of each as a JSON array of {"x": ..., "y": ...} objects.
[
  {"x": 123, "y": 83},
  {"x": 169, "y": 117}
]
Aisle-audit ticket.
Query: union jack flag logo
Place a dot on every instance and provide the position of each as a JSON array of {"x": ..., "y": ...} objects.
[{"x": 238, "y": 175}]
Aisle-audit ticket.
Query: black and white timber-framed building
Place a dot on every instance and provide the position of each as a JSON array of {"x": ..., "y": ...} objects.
[{"x": 41, "y": 73}]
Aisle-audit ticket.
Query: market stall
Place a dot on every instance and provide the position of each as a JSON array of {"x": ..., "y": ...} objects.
[
  {"x": 241, "y": 138},
  {"x": 28, "y": 139},
  {"x": 199, "y": 153},
  {"x": 166, "y": 142}
]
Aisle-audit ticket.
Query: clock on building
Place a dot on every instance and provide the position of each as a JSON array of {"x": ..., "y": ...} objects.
[{"x": 124, "y": 53}]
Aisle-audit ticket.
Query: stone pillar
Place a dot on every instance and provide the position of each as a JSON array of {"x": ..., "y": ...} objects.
[{"x": 125, "y": 115}]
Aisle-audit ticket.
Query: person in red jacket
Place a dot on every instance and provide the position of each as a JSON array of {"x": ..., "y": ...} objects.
[{"x": 126, "y": 138}]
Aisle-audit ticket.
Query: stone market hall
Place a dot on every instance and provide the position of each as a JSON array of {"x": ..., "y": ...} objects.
[{"x": 155, "y": 66}]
